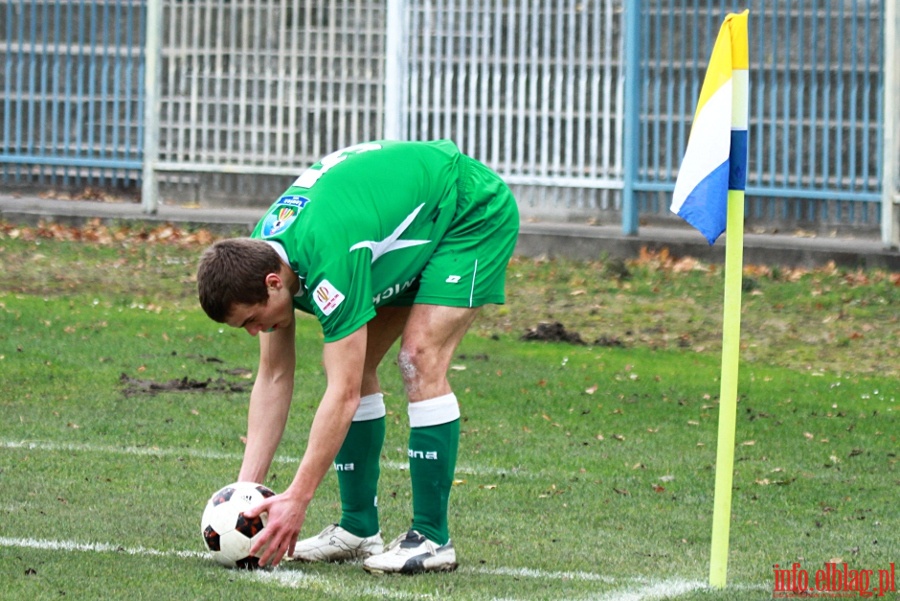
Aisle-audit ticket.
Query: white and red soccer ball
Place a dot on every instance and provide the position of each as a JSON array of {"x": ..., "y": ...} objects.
[{"x": 228, "y": 535}]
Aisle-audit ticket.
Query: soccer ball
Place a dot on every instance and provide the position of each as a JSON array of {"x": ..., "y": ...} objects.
[{"x": 226, "y": 532}]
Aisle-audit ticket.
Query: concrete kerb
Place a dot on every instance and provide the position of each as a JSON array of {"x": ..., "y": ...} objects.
[{"x": 536, "y": 239}]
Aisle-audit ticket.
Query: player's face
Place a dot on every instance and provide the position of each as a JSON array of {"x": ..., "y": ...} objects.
[{"x": 275, "y": 314}]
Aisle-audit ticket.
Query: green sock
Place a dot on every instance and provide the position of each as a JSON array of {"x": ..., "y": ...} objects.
[
  {"x": 357, "y": 466},
  {"x": 432, "y": 462}
]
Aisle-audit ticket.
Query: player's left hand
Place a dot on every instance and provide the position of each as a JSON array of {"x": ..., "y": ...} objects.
[{"x": 277, "y": 539}]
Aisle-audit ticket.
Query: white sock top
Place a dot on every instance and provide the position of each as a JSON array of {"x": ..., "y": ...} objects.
[
  {"x": 371, "y": 407},
  {"x": 434, "y": 412}
]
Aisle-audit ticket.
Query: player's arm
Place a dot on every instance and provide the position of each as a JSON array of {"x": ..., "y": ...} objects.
[
  {"x": 270, "y": 401},
  {"x": 344, "y": 362}
]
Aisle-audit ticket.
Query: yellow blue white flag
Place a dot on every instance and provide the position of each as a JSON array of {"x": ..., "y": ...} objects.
[{"x": 716, "y": 157}]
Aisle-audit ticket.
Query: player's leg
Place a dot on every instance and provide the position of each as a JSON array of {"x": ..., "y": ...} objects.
[
  {"x": 429, "y": 340},
  {"x": 383, "y": 331},
  {"x": 466, "y": 271},
  {"x": 357, "y": 463}
]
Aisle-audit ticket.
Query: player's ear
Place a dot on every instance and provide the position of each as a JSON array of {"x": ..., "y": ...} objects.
[{"x": 273, "y": 280}]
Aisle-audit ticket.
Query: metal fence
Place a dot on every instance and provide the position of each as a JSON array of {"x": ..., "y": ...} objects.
[
  {"x": 532, "y": 87},
  {"x": 816, "y": 105},
  {"x": 71, "y": 92},
  {"x": 251, "y": 91}
]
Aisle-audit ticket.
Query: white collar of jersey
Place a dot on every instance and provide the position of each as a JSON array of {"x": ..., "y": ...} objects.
[
  {"x": 279, "y": 249},
  {"x": 283, "y": 254}
]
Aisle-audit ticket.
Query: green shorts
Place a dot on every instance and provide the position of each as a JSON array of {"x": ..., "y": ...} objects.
[{"x": 468, "y": 267}]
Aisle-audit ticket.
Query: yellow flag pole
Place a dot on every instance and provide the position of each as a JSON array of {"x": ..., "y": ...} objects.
[{"x": 731, "y": 343}]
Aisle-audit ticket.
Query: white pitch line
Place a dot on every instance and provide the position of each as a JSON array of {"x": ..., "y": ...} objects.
[
  {"x": 298, "y": 579},
  {"x": 63, "y": 545},
  {"x": 290, "y": 578},
  {"x": 647, "y": 591},
  {"x": 665, "y": 589},
  {"x": 541, "y": 574},
  {"x": 219, "y": 456}
]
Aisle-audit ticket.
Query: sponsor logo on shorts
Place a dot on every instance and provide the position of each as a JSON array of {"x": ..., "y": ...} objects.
[
  {"x": 327, "y": 297},
  {"x": 452, "y": 279}
]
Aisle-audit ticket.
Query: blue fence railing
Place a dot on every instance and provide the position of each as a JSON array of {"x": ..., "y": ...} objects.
[
  {"x": 816, "y": 93},
  {"x": 72, "y": 90}
]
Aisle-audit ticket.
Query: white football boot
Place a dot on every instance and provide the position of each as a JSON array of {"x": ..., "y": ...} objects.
[
  {"x": 412, "y": 553},
  {"x": 336, "y": 544}
]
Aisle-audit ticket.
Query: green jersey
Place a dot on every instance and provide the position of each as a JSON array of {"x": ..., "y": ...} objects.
[{"x": 359, "y": 226}]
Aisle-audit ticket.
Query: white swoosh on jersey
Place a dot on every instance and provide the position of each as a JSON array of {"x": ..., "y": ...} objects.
[{"x": 391, "y": 242}]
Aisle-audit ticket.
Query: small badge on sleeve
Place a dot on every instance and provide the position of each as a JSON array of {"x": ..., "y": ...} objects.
[
  {"x": 282, "y": 214},
  {"x": 327, "y": 297}
]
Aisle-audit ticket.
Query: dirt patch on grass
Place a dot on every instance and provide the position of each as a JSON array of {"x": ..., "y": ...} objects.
[{"x": 137, "y": 386}]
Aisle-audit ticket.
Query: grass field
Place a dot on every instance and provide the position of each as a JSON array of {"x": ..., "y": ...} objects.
[{"x": 586, "y": 470}]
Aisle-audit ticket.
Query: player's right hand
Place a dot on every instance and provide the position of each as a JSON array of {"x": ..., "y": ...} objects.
[{"x": 278, "y": 538}]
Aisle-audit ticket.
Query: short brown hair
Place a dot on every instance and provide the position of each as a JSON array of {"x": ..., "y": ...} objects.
[{"x": 234, "y": 271}]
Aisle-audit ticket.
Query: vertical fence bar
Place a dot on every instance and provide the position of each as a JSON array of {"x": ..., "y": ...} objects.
[
  {"x": 654, "y": 104},
  {"x": 865, "y": 118},
  {"x": 296, "y": 103},
  {"x": 44, "y": 97},
  {"x": 415, "y": 72},
  {"x": 890, "y": 156},
  {"x": 425, "y": 102},
  {"x": 194, "y": 79},
  {"x": 90, "y": 100},
  {"x": 839, "y": 97},
  {"x": 813, "y": 100},
  {"x": 54, "y": 87},
  {"x": 497, "y": 81},
  {"x": 485, "y": 16},
  {"x": 28, "y": 101},
  {"x": 127, "y": 151},
  {"x": 118, "y": 91},
  {"x": 149, "y": 184},
  {"x": 20, "y": 86},
  {"x": 531, "y": 149},
  {"x": 546, "y": 83},
  {"x": 632, "y": 102},
  {"x": 581, "y": 39},
  {"x": 396, "y": 60},
  {"x": 556, "y": 110},
  {"x": 512, "y": 32},
  {"x": 347, "y": 98},
  {"x": 444, "y": 99},
  {"x": 7, "y": 89},
  {"x": 521, "y": 68},
  {"x": 615, "y": 104},
  {"x": 597, "y": 75},
  {"x": 102, "y": 100}
]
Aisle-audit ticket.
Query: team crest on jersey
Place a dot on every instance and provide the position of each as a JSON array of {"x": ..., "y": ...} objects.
[
  {"x": 327, "y": 297},
  {"x": 282, "y": 214}
]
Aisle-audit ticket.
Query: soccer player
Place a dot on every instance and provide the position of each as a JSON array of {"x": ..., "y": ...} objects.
[{"x": 380, "y": 241}]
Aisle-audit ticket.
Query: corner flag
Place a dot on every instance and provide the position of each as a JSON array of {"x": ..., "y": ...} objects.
[
  {"x": 709, "y": 194},
  {"x": 716, "y": 157}
]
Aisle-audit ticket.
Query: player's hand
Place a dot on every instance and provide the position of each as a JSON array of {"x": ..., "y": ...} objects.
[{"x": 277, "y": 539}]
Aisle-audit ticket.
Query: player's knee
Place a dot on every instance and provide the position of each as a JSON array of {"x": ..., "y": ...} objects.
[{"x": 408, "y": 362}]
